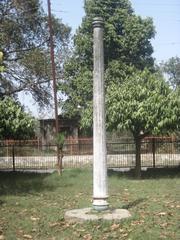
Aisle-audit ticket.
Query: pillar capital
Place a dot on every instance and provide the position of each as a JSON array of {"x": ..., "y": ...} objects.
[{"x": 98, "y": 22}]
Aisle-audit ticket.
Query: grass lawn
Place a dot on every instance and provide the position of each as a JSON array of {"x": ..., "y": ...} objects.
[{"x": 32, "y": 205}]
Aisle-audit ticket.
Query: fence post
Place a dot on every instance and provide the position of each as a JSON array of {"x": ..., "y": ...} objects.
[
  {"x": 154, "y": 152},
  {"x": 13, "y": 156}
]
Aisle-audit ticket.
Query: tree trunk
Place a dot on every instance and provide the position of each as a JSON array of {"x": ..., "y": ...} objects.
[
  {"x": 138, "y": 157},
  {"x": 60, "y": 157}
]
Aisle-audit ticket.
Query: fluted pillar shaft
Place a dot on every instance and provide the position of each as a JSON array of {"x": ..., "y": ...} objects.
[{"x": 99, "y": 133}]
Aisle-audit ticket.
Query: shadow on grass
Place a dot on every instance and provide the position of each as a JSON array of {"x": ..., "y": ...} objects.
[
  {"x": 76, "y": 172},
  {"x": 17, "y": 183},
  {"x": 1, "y": 202},
  {"x": 171, "y": 172},
  {"x": 134, "y": 203}
]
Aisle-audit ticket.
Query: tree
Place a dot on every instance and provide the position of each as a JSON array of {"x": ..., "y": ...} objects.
[
  {"x": 14, "y": 122},
  {"x": 60, "y": 140},
  {"x": 172, "y": 69},
  {"x": 24, "y": 41},
  {"x": 1, "y": 61},
  {"x": 127, "y": 46},
  {"x": 144, "y": 104}
]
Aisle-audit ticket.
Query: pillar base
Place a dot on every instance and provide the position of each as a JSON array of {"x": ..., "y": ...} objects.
[
  {"x": 100, "y": 204},
  {"x": 87, "y": 214}
]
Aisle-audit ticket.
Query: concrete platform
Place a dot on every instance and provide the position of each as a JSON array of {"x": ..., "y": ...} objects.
[{"x": 88, "y": 214}]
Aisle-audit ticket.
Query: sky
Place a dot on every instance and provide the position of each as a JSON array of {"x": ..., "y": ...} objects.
[{"x": 165, "y": 15}]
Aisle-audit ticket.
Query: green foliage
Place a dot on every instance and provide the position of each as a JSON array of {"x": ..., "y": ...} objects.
[
  {"x": 172, "y": 69},
  {"x": 14, "y": 122},
  {"x": 24, "y": 41},
  {"x": 1, "y": 60},
  {"x": 144, "y": 104},
  {"x": 60, "y": 140},
  {"x": 127, "y": 47}
]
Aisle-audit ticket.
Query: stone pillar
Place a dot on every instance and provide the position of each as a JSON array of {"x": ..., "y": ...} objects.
[{"x": 99, "y": 133}]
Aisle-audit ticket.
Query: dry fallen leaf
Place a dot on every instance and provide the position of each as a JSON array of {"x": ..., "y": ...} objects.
[
  {"x": 54, "y": 224},
  {"x": 134, "y": 223},
  {"x": 163, "y": 225},
  {"x": 34, "y": 218},
  {"x": 27, "y": 236},
  {"x": 98, "y": 227},
  {"x": 87, "y": 237},
  {"x": 161, "y": 214},
  {"x": 124, "y": 235},
  {"x": 2, "y": 237},
  {"x": 163, "y": 236},
  {"x": 170, "y": 214},
  {"x": 81, "y": 230},
  {"x": 114, "y": 226}
]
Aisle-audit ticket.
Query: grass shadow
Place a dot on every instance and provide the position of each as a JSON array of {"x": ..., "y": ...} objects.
[
  {"x": 76, "y": 172},
  {"x": 168, "y": 172},
  {"x": 1, "y": 202},
  {"x": 120, "y": 173},
  {"x": 17, "y": 183},
  {"x": 133, "y": 203},
  {"x": 156, "y": 173}
]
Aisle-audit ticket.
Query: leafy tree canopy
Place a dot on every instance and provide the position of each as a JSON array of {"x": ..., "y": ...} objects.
[
  {"x": 14, "y": 122},
  {"x": 172, "y": 68},
  {"x": 144, "y": 104},
  {"x": 24, "y": 41},
  {"x": 127, "y": 46}
]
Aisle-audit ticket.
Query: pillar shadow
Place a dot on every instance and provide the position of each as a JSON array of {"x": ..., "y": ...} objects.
[{"x": 133, "y": 203}]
